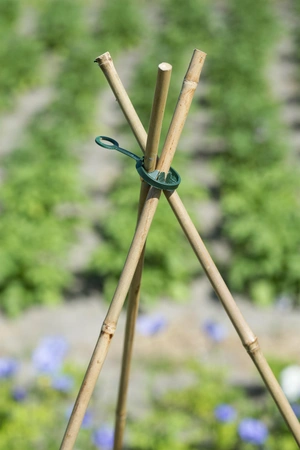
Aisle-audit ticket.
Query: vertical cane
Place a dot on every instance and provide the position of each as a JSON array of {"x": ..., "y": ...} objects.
[{"x": 158, "y": 108}]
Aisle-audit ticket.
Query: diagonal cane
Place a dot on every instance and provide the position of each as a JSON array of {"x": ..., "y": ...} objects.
[
  {"x": 109, "y": 325},
  {"x": 150, "y": 158},
  {"x": 248, "y": 339}
]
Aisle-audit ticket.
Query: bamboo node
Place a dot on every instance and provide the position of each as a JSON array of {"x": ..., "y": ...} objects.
[
  {"x": 252, "y": 346},
  {"x": 192, "y": 84},
  {"x": 108, "y": 328}
]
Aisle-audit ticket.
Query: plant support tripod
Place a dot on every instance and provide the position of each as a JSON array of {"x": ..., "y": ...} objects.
[{"x": 130, "y": 278}]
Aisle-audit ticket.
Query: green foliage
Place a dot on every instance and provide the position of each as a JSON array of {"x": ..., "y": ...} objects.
[
  {"x": 41, "y": 190},
  {"x": 177, "y": 32},
  {"x": 165, "y": 273},
  {"x": 238, "y": 38},
  {"x": 185, "y": 28},
  {"x": 122, "y": 25},
  {"x": 9, "y": 11},
  {"x": 38, "y": 222},
  {"x": 21, "y": 424},
  {"x": 59, "y": 23},
  {"x": 265, "y": 247},
  {"x": 37, "y": 226},
  {"x": 186, "y": 418},
  {"x": 38, "y": 420},
  {"x": 34, "y": 409},
  {"x": 20, "y": 55},
  {"x": 74, "y": 108},
  {"x": 258, "y": 187},
  {"x": 34, "y": 273}
]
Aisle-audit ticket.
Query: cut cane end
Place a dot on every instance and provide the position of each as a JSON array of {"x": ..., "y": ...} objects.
[
  {"x": 165, "y": 67},
  {"x": 200, "y": 52},
  {"x": 195, "y": 67},
  {"x": 102, "y": 59}
]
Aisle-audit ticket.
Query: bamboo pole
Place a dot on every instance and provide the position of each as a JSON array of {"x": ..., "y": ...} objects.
[
  {"x": 107, "y": 66},
  {"x": 110, "y": 322},
  {"x": 156, "y": 119},
  {"x": 248, "y": 338}
]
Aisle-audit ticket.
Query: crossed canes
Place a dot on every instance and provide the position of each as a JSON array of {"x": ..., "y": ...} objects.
[{"x": 130, "y": 278}]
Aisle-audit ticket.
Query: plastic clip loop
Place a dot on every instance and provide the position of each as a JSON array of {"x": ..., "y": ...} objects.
[{"x": 158, "y": 179}]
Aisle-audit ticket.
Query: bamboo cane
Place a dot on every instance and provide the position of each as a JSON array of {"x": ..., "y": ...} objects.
[
  {"x": 109, "y": 325},
  {"x": 248, "y": 338},
  {"x": 157, "y": 113}
]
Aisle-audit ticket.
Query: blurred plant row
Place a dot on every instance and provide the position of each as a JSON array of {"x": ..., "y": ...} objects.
[
  {"x": 38, "y": 392},
  {"x": 164, "y": 270},
  {"x": 41, "y": 187},
  {"x": 259, "y": 177}
]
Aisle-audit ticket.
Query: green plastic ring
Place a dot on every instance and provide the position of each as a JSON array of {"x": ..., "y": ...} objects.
[{"x": 158, "y": 179}]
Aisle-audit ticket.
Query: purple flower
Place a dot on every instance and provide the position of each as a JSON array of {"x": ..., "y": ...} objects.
[
  {"x": 215, "y": 330},
  {"x": 225, "y": 413},
  {"x": 296, "y": 409},
  {"x": 19, "y": 394},
  {"x": 49, "y": 354},
  {"x": 103, "y": 438},
  {"x": 150, "y": 325},
  {"x": 284, "y": 302},
  {"x": 87, "y": 421},
  {"x": 63, "y": 383},
  {"x": 253, "y": 431},
  {"x": 8, "y": 367}
]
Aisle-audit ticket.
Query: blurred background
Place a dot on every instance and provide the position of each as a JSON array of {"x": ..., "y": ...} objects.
[{"x": 68, "y": 212}]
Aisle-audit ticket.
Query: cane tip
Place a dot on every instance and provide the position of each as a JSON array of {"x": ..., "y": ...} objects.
[
  {"x": 200, "y": 53},
  {"x": 104, "y": 58},
  {"x": 165, "y": 67}
]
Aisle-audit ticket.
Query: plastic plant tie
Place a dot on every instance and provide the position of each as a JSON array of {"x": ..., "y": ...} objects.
[{"x": 156, "y": 178}]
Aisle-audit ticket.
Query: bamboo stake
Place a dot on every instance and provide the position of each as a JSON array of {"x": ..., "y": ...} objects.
[
  {"x": 158, "y": 108},
  {"x": 248, "y": 339},
  {"x": 109, "y": 325},
  {"x": 106, "y": 64}
]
